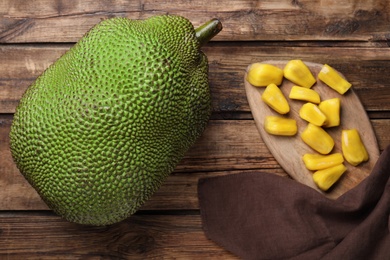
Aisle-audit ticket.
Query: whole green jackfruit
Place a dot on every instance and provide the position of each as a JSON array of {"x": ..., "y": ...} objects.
[{"x": 98, "y": 132}]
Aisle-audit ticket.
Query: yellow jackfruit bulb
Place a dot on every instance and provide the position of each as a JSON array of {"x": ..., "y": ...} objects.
[
  {"x": 318, "y": 139},
  {"x": 325, "y": 178},
  {"x": 276, "y": 125},
  {"x": 274, "y": 98},
  {"x": 333, "y": 79},
  {"x": 297, "y": 72},
  {"x": 311, "y": 113},
  {"x": 331, "y": 109},
  {"x": 352, "y": 147},
  {"x": 305, "y": 94},
  {"x": 316, "y": 162},
  {"x": 261, "y": 75}
]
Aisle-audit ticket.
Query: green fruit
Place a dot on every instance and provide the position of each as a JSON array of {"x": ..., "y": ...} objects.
[{"x": 98, "y": 132}]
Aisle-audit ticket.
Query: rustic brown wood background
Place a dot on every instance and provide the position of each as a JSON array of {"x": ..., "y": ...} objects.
[{"x": 353, "y": 36}]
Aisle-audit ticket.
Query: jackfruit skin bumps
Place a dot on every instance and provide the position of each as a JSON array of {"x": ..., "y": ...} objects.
[{"x": 98, "y": 132}]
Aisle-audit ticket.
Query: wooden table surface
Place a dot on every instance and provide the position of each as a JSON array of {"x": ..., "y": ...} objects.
[{"x": 352, "y": 36}]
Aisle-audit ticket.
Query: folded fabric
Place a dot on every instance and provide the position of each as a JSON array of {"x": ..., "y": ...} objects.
[{"x": 264, "y": 216}]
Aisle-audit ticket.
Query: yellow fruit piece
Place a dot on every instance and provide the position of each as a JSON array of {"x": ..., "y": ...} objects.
[
  {"x": 274, "y": 98},
  {"x": 353, "y": 148},
  {"x": 305, "y": 94},
  {"x": 276, "y": 125},
  {"x": 311, "y": 113},
  {"x": 297, "y": 72},
  {"x": 331, "y": 109},
  {"x": 315, "y": 162},
  {"x": 333, "y": 79},
  {"x": 261, "y": 75},
  {"x": 325, "y": 178},
  {"x": 318, "y": 139}
]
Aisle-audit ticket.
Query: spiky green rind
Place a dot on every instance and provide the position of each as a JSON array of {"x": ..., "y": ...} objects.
[{"x": 101, "y": 128}]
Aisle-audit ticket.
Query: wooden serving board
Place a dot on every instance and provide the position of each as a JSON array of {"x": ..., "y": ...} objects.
[{"x": 288, "y": 151}]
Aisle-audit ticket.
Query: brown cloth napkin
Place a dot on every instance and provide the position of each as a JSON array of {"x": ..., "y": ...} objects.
[{"x": 264, "y": 216}]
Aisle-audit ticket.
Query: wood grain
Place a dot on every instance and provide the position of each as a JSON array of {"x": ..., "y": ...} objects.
[
  {"x": 353, "y": 36},
  {"x": 244, "y": 20},
  {"x": 222, "y": 150},
  {"x": 46, "y": 236},
  {"x": 366, "y": 68},
  {"x": 288, "y": 151}
]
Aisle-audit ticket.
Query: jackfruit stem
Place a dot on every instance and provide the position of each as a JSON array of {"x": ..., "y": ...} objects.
[{"x": 207, "y": 31}]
